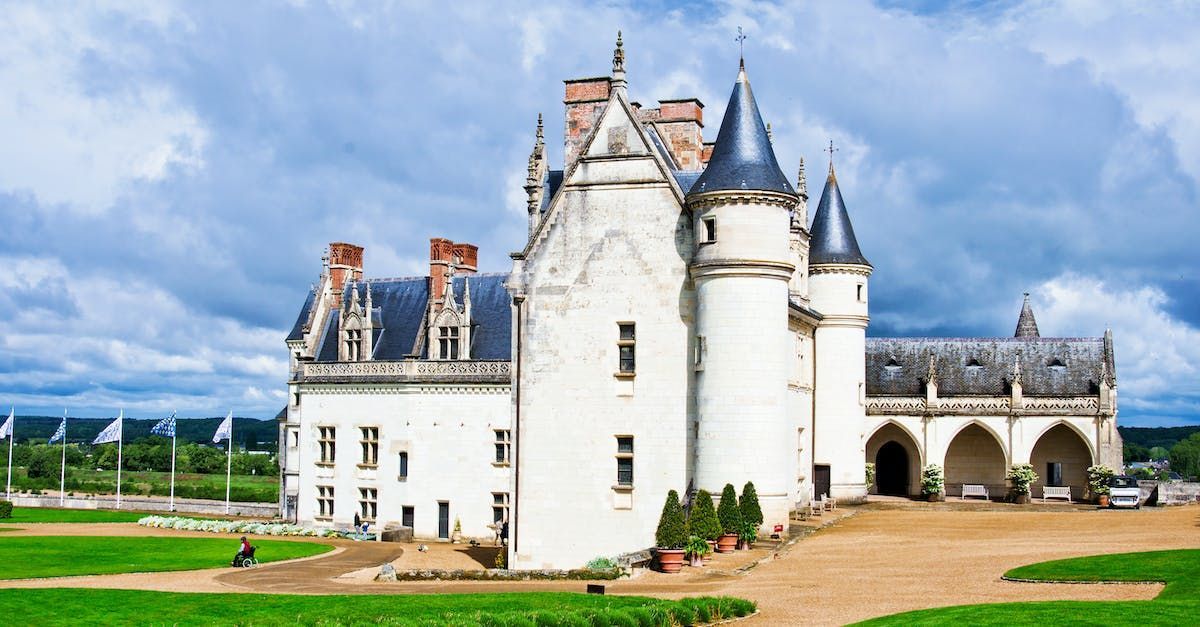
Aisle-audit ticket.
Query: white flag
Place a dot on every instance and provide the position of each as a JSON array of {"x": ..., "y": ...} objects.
[
  {"x": 111, "y": 433},
  {"x": 224, "y": 431},
  {"x": 6, "y": 429}
]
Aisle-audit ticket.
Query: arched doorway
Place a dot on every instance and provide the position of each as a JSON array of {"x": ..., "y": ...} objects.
[
  {"x": 1060, "y": 458},
  {"x": 897, "y": 460},
  {"x": 975, "y": 457},
  {"x": 891, "y": 469}
]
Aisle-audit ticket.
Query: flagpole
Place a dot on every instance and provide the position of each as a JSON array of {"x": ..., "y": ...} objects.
[
  {"x": 62, "y": 477},
  {"x": 120, "y": 446},
  {"x": 174, "y": 432},
  {"x": 228, "y": 461},
  {"x": 12, "y": 436}
]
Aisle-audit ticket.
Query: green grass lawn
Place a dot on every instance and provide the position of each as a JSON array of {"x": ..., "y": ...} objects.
[
  {"x": 49, "y": 515},
  {"x": 131, "y": 607},
  {"x": 60, "y": 556},
  {"x": 1177, "y": 604}
]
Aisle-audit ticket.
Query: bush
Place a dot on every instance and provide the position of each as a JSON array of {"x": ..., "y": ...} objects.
[
  {"x": 601, "y": 563},
  {"x": 728, "y": 512},
  {"x": 748, "y": 504},
  {"x": 1021, "y": 476},
  {"x": 671, "y": 533},
  {"x": 44, "y": 463},
  {"x": 932, "y": 480},
  {"x": 1098, "y": 477},
  {"x": 702, "y": 520},
  {"x": 6, "y": 509},
  {"x": 870, "y": 472}
]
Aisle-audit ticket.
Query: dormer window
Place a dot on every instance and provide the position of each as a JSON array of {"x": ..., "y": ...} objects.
[
  {"x": 448, "y": 342},
  {"x": 353, "y": 344},
  {"x": 973, "y": 365},
  {"x": 892, "y": 366},
  {"x": 1056, "y": 366}
]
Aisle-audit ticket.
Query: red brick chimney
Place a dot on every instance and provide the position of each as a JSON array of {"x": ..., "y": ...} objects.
[
  {"x": 586, "y": 99},
  {"x": 345, "y": 262},
  {"x": 682, "y": 121},
  {"x": 446, "y": 257}
]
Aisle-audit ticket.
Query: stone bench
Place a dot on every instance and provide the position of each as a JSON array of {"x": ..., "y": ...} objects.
[
  {"x": 974, "y": 490},
  {"x": 1056, "y": 492}
]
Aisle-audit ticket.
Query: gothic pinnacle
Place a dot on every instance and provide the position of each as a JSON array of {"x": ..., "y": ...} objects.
[{"x": 802, "y": 181}]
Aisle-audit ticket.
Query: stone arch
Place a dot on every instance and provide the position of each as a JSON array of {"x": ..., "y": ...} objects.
[
  {"x": 1061, "y": 444},
  {"x": 898, "y": 460},
  {"x": 976, "y": 455},
  {"x": 1087, "y": 440}
]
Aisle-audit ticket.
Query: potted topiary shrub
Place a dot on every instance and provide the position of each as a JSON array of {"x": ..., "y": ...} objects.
[
  {"x": 932, "y": 482},
  {"x": 697, "y": 548},
  {"x": 752, "y": 515},
  {"x": 671, "y": 536},
  {"x": 747, "y": 536},
  {"x": 731, "y": 520},
  {"x": 1098, "y": 477},
  {"x": 1021, "y": 476},
  {"x": 703, "y": 521},
  {"x": 456, "y": 535}
]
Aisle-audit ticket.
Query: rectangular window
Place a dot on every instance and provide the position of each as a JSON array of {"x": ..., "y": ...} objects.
[
  {"x": 403, "y": 460},
  {"x": 503, "y": 445},
  {"x": 1054, "y": 474},
  {"x": 625, "y": 346},
  {"x": 499, "y": 507},
  {"x": 406, "y": 516},
  {"x": 700, "y": 348},
  {"x": 370, "y": 445},
  {"x": 328, "y": 441},
  {"x": 448, "y": 342},
  {"x": 367, "y": 498},
  {"x": 861, "y": 289},
  {"x": 324, "y": 501},
  {"x": 353, "y": 345},
  {"x": 624, "y": 460},
  {"x": 709, "y": 228}
]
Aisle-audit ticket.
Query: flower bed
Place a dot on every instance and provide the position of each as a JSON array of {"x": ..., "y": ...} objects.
[{"x": 236, "y": 526}]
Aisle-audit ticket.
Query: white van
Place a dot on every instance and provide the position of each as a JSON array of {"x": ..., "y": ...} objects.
[{"x": 1123, "y": 491}]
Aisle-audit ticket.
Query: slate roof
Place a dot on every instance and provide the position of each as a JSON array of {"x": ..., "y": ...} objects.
[
  {"x": 399, "y": 311},
  {"x": 1026, "y": 324},
  {"x": 742, "y": 158},
  {"x": 297, "y": 332},
  {"x": 832, "y": 236},
  {"x": 552, "y": 181},
  {"x": 984, "y": 366}
]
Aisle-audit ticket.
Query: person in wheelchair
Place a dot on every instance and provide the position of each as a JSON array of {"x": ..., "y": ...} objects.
[{"x": 244, "y": 552}]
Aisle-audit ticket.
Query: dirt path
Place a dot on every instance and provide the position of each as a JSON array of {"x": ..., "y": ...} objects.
[{"x": 879, "y": 561}]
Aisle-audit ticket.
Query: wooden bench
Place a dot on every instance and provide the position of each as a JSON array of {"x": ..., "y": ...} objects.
[
  {"x": 1056, "y": 492},
  {"x": 974, "y": 490}
]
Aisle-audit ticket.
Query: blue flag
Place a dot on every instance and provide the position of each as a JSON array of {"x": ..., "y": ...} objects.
[
  {"x": 61, "y": 433},
  {"x": 113, "y": 432},
  {"x": 165, "y": 427}
]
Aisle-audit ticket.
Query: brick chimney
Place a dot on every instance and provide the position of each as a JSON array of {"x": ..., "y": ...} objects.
[
  {"x": 585, "y": 99},
  {"x": 345, "y": 263},
  {"x": 682, "y": 121},
  {"x": 447, "y": 257}
]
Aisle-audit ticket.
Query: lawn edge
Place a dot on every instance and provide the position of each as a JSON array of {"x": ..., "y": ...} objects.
[{"x": 1143, "y": 582}]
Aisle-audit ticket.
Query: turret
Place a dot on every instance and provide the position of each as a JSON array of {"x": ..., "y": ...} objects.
[
  {"x": 837, "y": 283},
  {"x": 741, "y": 206}
]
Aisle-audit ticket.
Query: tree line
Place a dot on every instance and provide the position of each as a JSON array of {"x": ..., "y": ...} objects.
[{"x": 152, "y": 453}]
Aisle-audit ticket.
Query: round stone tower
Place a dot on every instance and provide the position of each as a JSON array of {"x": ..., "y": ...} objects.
[
  {"x": 838, "y": 275},
  {"x": 741, "y": 206}
]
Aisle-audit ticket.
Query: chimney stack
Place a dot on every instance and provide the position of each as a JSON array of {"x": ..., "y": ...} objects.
[
  {"x": 586, "y": 99},
  {"x": 447, "y": 258},
  {"x": 345, "y": 263},
  {"x": 682, "y": 121}
]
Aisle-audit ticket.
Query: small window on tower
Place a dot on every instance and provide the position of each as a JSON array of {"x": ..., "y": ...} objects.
[
  {"x": 625, "y": 348},
  {"x": 862, "y": 293},
  {"x": 709, "y": 230}
]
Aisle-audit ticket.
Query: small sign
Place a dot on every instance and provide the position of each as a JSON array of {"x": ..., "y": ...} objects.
[
  {"x": 595, "y": 588},
  {"x": 778, "y": 528}
]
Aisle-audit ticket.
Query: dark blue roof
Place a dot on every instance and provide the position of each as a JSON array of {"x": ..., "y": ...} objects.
[
  {"x": 832, "y": 238},
  {"x": 297, "y": 332},
  {"x": 742, "y": 157},
  {"x": 398, "y": 306},
  {"x": 553, "y": 181}
]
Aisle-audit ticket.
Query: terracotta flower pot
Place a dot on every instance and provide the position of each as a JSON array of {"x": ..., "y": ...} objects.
[
  {"x": 1102, "y": 500},
  {"x": 744, "y": 545},
  {"x": 933, "y": 498},
  {"x": 1021, "y": 499},
  {"x": 670, "y": 560},
  {"x": 709, "y": 555},
  {"x": 727, "y": 543}
]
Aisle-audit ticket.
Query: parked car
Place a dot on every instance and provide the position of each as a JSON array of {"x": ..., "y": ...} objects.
[{"x": 1123, "y": 491}]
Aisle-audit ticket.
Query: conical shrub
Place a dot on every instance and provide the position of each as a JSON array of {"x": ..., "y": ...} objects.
[
  {"x": 751, "y": 511},
  {"x": 728, "y": 512},
  {"x": 672, "y": 531},
  {"x": 702, "y": 520}
]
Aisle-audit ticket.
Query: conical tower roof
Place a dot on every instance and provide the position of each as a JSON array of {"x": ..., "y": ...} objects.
[
  {"x": 1026, "y": 325},
  {"x": 832, "y": 239},
  {"x": 742, "y": 158}
]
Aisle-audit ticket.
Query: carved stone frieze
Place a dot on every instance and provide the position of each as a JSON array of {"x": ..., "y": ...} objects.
[{"x": 407, "y": 371}]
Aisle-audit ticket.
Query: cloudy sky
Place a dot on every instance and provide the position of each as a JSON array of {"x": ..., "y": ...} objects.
[{"x": 170, "y": 173}]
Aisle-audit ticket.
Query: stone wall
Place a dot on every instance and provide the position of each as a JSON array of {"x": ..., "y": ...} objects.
[{"x": 151, "y": 504}]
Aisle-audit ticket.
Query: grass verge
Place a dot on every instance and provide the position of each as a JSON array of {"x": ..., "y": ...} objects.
[
  {"x": 48, "y": 515},
  {"x": 134, "y": 607},
  {"x": 27, "y": 557},
  {"x": 243, "y": 488},
  {"x": 1177, "y": 604}
]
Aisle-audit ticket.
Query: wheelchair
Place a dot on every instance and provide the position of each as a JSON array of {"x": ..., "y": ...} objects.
[{"x": 245, "y": 560}]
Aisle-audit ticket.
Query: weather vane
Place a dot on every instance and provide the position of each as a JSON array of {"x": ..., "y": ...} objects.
[
  {"x": 741, "y": 39},
  {"x": 831, "y": 150}
]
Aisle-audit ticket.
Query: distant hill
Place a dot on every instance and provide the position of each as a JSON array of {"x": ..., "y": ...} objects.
[
  {"x": 250, "y": 433},
  {"x": 1151, "y": 437}
]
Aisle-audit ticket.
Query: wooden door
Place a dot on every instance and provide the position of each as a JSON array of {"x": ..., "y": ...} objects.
[
  {"x": 821, "y": 480},
  {"x": 443, "y": 519}
]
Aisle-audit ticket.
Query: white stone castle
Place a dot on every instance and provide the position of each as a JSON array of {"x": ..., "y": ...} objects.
[{"x": 673, "y": 322}]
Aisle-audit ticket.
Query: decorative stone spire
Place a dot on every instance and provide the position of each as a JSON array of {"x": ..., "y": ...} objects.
[
  {"x": 800, "y": 215},
  {"x": 354, "y": 308},
  {"x": 770, "y": 135},
  {"x": 1109, "y": 375},
  {"x": 1016, "y": 373},
  {"x": 931, "y": 373},
  {"x": 533, "y": 177},
  {"x": 618, "y": 73},
  {"x": 742, "y": 157},
  {"x": 1026, "y": 325},
  {"x": 802, "y": 182},
  {"x": 368, "y": 306}
]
